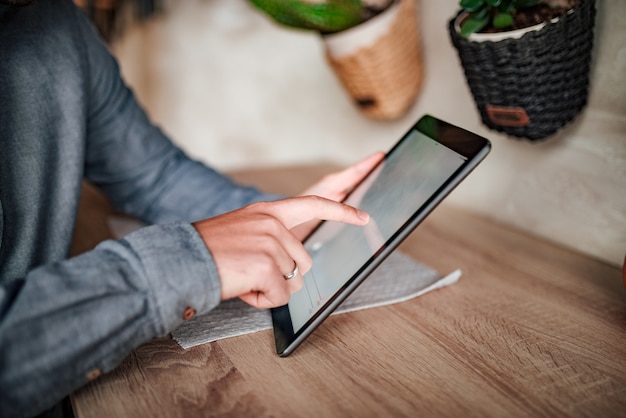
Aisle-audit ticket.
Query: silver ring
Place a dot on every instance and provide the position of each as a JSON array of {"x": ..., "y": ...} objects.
[{"x": 292, "y": 273}]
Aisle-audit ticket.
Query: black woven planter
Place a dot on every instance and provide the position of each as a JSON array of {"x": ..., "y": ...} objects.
[{"x": 532, "y": 86}]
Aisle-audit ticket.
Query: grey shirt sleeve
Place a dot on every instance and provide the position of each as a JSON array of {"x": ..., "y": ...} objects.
[
  {"x": 70, "y": 115},
  {"x": 66, "y": 321},
  {"x": 137, "y": 166}
]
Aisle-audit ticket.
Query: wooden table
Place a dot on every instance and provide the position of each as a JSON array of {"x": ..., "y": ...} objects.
[{"x": 531, "y": 329}]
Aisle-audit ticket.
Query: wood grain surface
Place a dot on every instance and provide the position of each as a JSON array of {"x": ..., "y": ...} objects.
[{"x": 531, "y": 329}]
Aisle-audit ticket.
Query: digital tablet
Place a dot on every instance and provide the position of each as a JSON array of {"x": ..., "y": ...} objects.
[{"x": 430, "y": 160}]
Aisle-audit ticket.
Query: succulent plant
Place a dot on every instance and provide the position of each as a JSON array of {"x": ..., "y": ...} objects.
[
  {"x": 327, "y": 16},
  {"x": 498, "y": 14}
]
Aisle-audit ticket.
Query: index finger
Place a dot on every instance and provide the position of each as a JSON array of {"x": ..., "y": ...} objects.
[{"x": 296, "y": 210}]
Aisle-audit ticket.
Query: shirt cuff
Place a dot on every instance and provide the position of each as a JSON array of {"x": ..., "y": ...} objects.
[{"x": 180, "y": 271}]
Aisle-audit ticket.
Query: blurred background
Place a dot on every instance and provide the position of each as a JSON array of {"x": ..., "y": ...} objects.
[{"x": 236, "y": 90}]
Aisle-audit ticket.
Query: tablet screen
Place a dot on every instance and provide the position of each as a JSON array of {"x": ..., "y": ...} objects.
[
  {"x": 420, "y": 170},
  {"x": 405, "y": 181}
]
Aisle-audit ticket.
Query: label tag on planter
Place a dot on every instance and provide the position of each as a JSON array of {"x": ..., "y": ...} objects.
[{"x": 507, "y": 116}]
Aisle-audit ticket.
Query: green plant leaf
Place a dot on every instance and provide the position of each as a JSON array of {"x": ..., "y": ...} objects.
[
  {"x": 502, "y": 20},
  {"x": 472, "y": 5},
  {"x": 480, "y": 14},
  {"x": 324, "y": 17},
  {"x": 499, "y": 14},
  {"x": 506, "y": 6},
  {"x": 473, "y": 25}
]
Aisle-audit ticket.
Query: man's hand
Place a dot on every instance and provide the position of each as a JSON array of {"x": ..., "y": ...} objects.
[{"x": 253, "y": 247}]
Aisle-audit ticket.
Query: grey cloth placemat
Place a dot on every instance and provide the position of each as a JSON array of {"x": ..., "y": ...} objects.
[{"x": 397, "y": 279}]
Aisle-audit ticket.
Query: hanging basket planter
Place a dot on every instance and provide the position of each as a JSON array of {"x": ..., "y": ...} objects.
[
  {"x": 379, "y": 62},
  {"x": 373, "y": 46},
  {"x": 530, "y": 83}
]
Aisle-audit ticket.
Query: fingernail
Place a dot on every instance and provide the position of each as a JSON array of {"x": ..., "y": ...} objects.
[{"x": 363, "y": 215}]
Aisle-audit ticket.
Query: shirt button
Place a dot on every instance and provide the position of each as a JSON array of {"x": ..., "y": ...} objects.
[
  {"x": 189, "y": 313},
  {"x": 95, "y": 373}
]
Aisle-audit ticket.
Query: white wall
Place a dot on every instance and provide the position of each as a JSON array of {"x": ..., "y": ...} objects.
[{"x": 235, "y": 90}]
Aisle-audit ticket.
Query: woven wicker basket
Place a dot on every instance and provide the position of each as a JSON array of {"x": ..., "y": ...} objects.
[
  {"x": 532, "y": 86},
  {"x": 385, "y": 75}
]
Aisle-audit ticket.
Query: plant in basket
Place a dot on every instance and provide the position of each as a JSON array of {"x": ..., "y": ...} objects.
[
  {"x": 373, "y": 46},
  {"x": 526, "y": 62}
]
